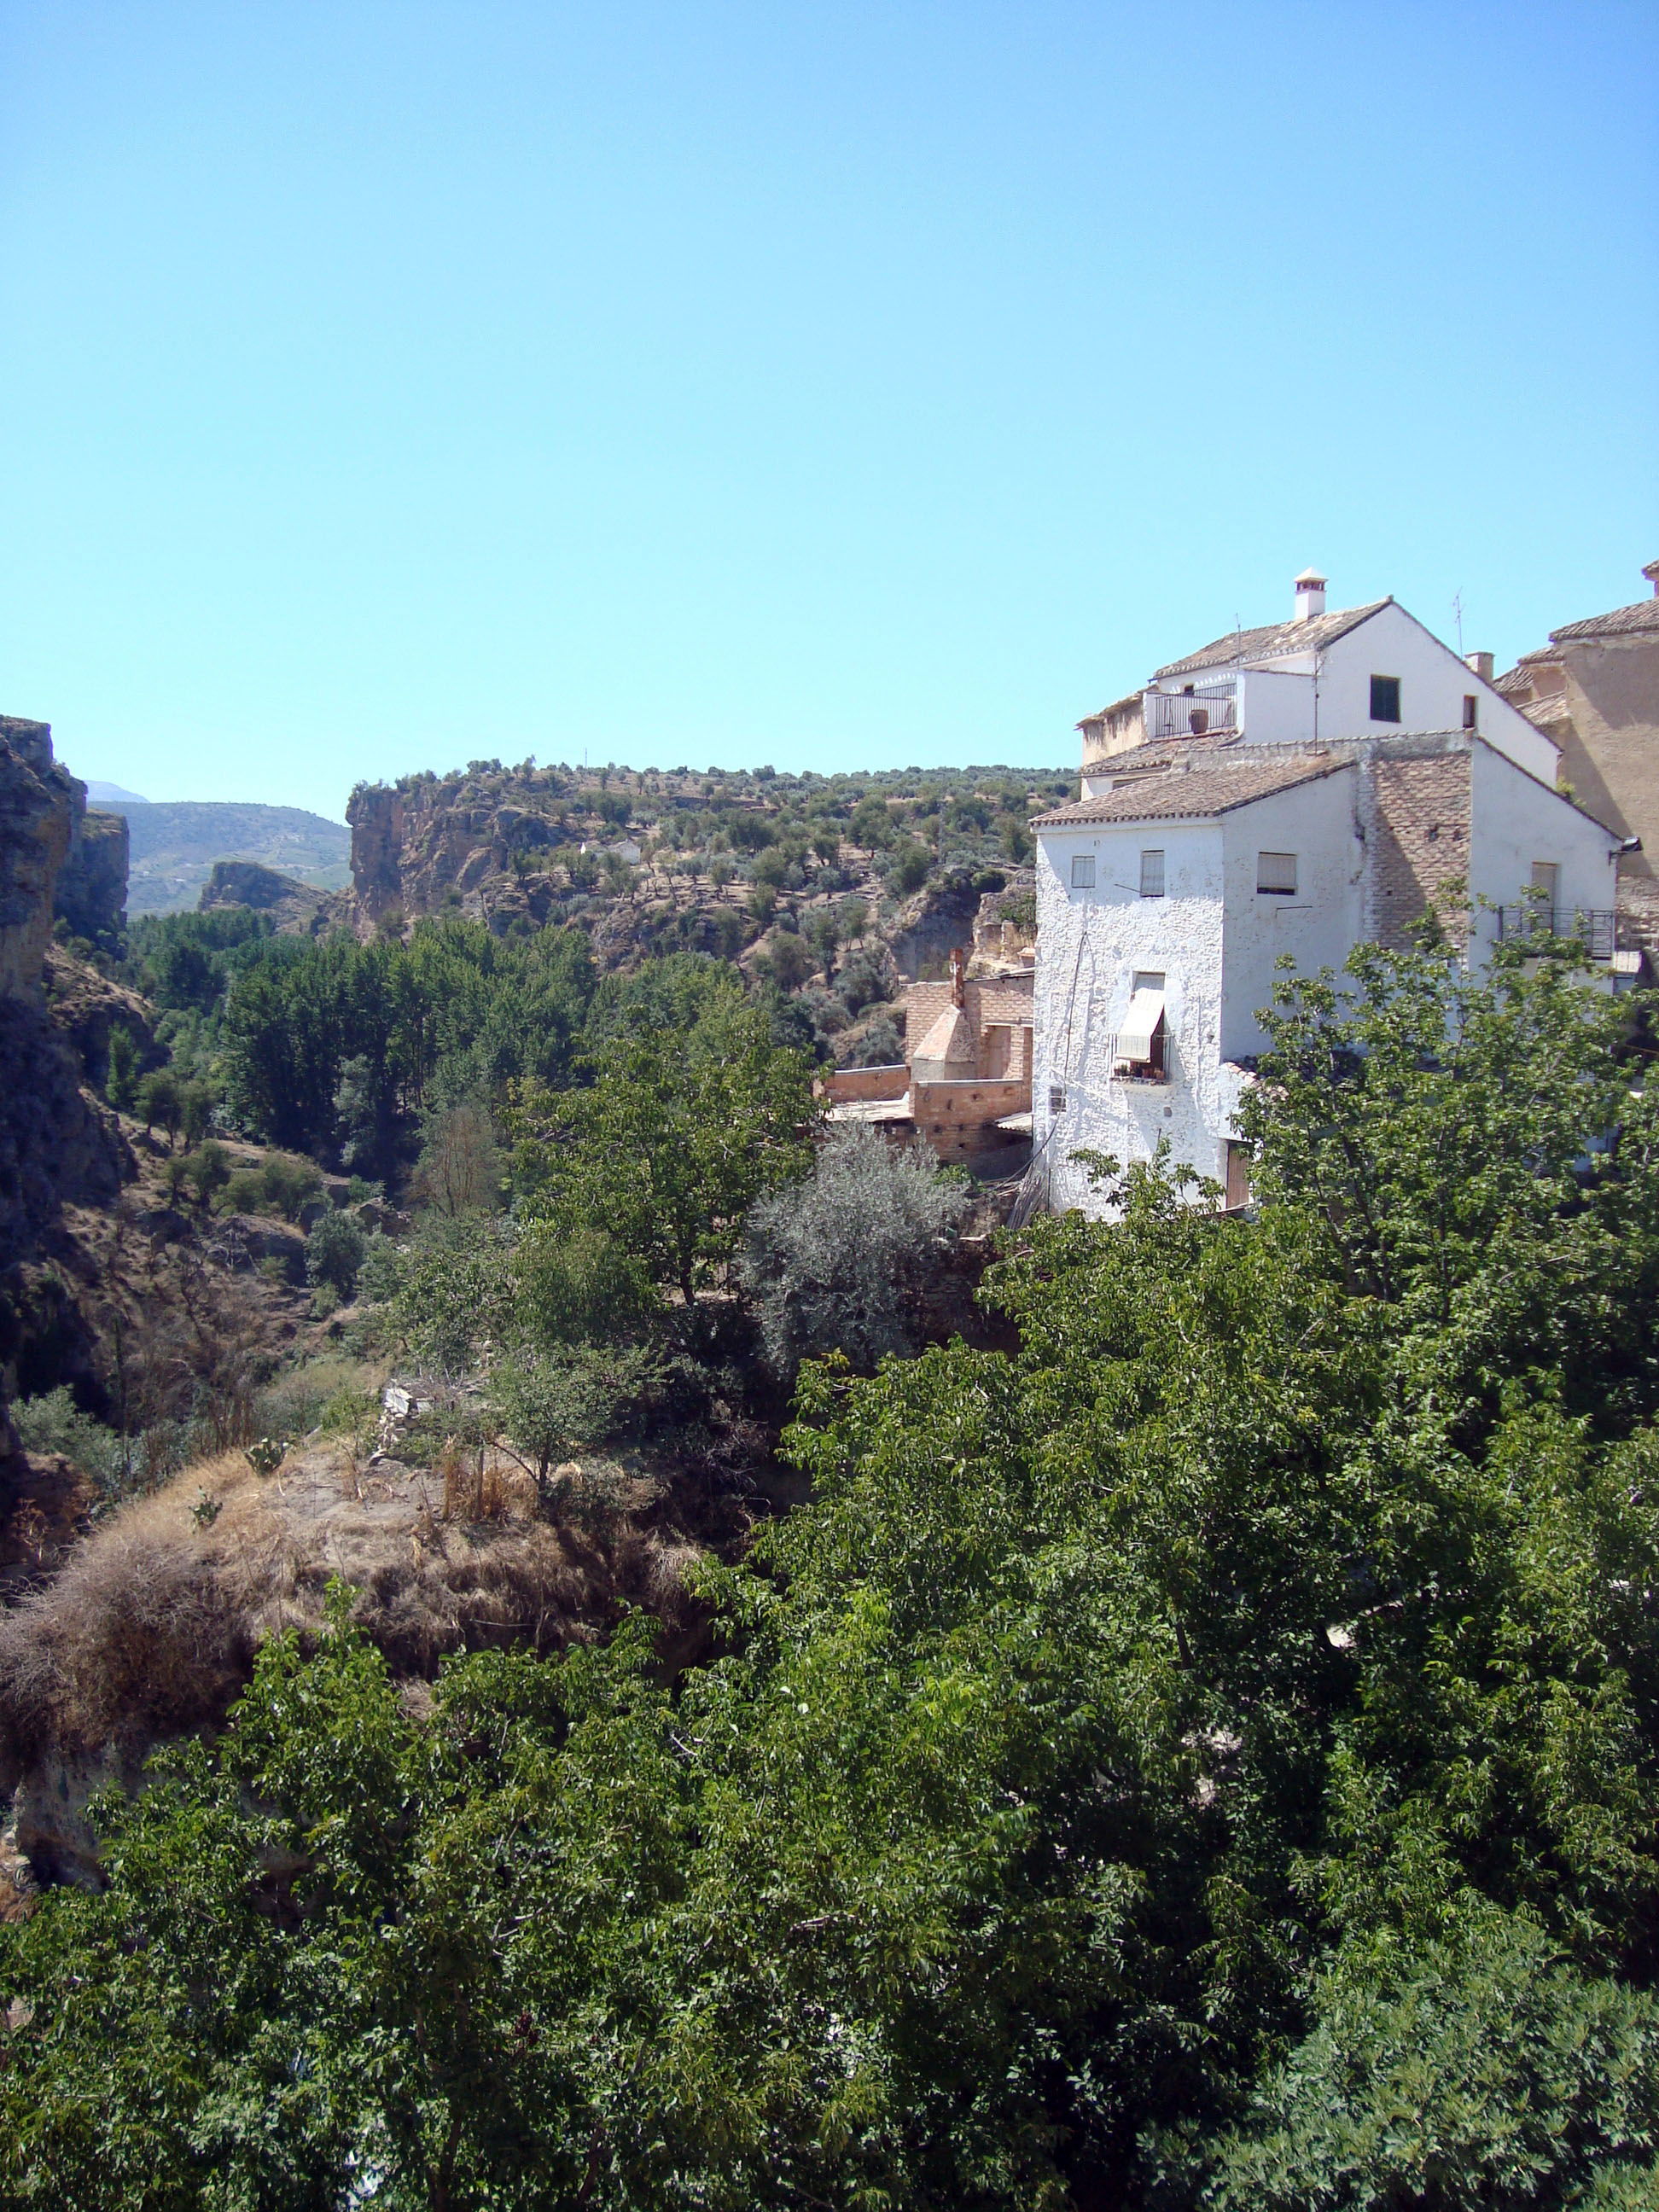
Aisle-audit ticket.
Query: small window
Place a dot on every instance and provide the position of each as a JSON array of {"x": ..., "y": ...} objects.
[
  {"x": 1385, "y": 698},
  {"x": 1471, "y": 709},
  {"x": 1545, "y": 876},
  {"x": 1151, "y": 873},
  {"x": 1149, "y": 979},
  {"x": 1238, "y": 1177},
  {"x": 1083, "y": 872},
  {"x": 1276, "y": 872},
  {"x": 1056, "y": 1100}
]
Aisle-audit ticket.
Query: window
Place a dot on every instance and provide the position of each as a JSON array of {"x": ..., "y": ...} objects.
[
  {"x": 1151, "y": 873},
  {"x": 1545, "y": 876},
  {"x": 1056, "y": 1100},
  {"x": 1139, "y": 1045},
  {"x": 1083, "y": 872},
  {"x": 1276, "y": 872},
  {"x": 1385, "y": 698},
  {"x": 1238, "y": 1177},
  {"x": 1471, "y": 709}
]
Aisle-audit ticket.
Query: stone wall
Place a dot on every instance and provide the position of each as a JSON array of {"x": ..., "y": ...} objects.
[
  {"x": 959, "y": 1120},
  {"x": 847, "y": 1085},
  {"x": 1416, "y": 816}
]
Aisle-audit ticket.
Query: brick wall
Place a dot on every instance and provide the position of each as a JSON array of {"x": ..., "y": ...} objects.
[
  {"x": 1419, "y": 838},
  {"x": 851, "y": 1082},
  {"x": 959, "y": 1119}
]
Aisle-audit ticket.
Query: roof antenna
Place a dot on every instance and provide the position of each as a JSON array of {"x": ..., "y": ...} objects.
[{"x": 1457, "y": 609}]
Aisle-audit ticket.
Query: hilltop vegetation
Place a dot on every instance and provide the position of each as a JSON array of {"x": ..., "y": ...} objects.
[
  {"x": 776, "y": 868},
  {"x": 1198, "y": 1750}
]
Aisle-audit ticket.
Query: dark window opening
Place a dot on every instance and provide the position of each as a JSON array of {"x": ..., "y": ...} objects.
[
  {"x": 1471, "y": 705},
  {"x": 1385, "y": 698}
]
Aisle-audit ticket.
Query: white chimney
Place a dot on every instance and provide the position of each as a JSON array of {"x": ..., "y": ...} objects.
[
  {"x": 1481, "y": 663},
  {"x": 1310, "y": 595}
]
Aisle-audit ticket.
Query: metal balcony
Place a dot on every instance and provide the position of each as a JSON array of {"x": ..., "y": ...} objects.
[
  {"x": 1596, "y": 929},
  {"x": 1204, "y": 711}
]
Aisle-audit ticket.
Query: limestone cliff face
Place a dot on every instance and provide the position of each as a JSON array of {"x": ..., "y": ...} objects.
[
  {"x": 56, "y": 860},
  {"x": 59, "y": 1147},
  {"x": 375, "y": 814},
  {"x": 37, "y": 822},
  {"x": 420, "y": 847},
  {"x": 92, "y": 884}
]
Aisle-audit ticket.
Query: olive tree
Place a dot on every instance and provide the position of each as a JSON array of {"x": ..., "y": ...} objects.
[{"x": 838, "y": 1263}]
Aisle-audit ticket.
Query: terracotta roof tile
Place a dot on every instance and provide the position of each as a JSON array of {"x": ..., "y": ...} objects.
[
  {"x": 1623, "y": 621},
  {"x": 1191, "y": 793},
  {"x": 1274, "y": 640}
]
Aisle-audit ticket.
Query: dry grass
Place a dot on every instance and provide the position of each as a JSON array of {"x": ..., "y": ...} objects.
[{"x": 150, "y": 1629}]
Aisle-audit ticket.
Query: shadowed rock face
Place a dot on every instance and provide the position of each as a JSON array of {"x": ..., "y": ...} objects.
[
  {"x": 38, "y": 813},
  {"x": 92, "y": 884},
  {"x": 56, "y": 860},
  {"x": 56, "y": 1146}
]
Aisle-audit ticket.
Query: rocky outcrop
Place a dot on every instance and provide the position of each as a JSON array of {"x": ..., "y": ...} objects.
[
  {"x": 420, "y": 849},
  {"x": 932, "y": 925},
  {"x": 38, "y": 814},
  {"x": 58, "y": 1147},
  {"x": 92, "y": 884},
  {"x": 296, "y": 908},
  {"x": 58, "y": 862},
  {"x": 84, "y": 1007}
]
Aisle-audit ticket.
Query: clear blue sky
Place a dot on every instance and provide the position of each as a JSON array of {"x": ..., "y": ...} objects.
[{"x": 834, "y": 384}]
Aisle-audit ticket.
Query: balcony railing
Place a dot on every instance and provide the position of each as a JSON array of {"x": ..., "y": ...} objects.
[
  {"x": 1196, "y": 714},
  {"x": 1597, "y": 929}
]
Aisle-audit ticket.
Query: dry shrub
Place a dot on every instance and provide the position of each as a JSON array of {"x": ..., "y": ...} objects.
[
  {"x": 142, "y": 1635},
  {"x": 150, "y": 1629}
]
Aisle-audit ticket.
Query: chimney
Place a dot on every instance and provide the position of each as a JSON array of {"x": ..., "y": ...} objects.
[
  {"x": 1651, "y": 572},
  {"x": 1310, "y": 595},
  {"x": 1481, "y": 663}
]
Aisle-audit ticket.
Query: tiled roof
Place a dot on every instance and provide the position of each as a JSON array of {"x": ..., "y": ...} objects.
[
  {"x": 1623, "y": 621},
  {"x": 1191, "y": 793},
  {"x": 1274, "y": 641},
  {"x": 1117, "y": 706}
]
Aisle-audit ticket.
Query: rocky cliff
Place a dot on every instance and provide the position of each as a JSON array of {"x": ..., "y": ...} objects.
[
  {"x": 92, "y": 884},
  {"x": 59, "y": 1148},
  {"x": 58, "y": 861},
  {"x": 728, "y": 862},
  {"x": 38, "y": 815},
  {"x": 296, "y": 908}
]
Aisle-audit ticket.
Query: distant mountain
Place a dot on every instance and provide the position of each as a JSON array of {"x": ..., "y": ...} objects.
[
  {"x": 111, "y": 794},
  {"x": 175, "y": 843}
]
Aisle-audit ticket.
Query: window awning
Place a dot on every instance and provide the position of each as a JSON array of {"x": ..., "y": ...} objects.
[{"x": 1136, "y": 1038}]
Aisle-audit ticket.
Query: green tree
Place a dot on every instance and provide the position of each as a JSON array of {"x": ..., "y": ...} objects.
[
  {"x": 674, "y": 1141},
  {"x": 121, "y": 1081},
  {"x": 840, "y": 1262},
  {"x": 334, "y": 1253}
]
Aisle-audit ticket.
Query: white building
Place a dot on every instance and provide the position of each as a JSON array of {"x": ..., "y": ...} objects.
[{"x": 1294, "y": 789}]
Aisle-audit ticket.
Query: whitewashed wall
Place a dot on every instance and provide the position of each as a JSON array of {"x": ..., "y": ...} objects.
[
  {"x": 1514, "y": 822},
  {"x": 1433, "y": 683},
  {"x": 1317, "y": 927},
  {"x": 1091, "y": 944}
]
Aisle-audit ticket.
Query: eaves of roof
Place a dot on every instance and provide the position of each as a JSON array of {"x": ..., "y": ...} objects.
[
  {"x": 1190, "y": 794},
  {"x": 1274, "y": 641},
  {"x": 1623, "y": 621}
]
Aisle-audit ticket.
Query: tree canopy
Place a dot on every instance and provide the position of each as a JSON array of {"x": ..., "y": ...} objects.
[{"x": 1203, "y": 1754}]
